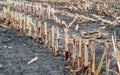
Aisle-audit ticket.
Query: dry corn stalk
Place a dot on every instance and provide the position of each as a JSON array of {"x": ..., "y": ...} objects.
[
  {"x": 20, "y": 18},
  {"x": 86, "y": 19},
  {"x": 53, "y": 46},
  {"x": 86, "y": 56},
  {"x": 105, "y": 22},
  {"x": 118, "y": 68},
  {"x": 48, "y": 12},
  {"x": 66, "y": 43},
  {"x": 45, "y": 34},
  {"x": 41, "y": 11},
  {"x": 49, "y": 40},
  {"x": 107, "y": 60},
  {"x": 93, "y": 59},
  {"x": 24, "y": 25},
  {"x": 28, "y": 27},
  {"x": 52, "y": 13},
  {"x": 35, "y": 28},
  {"x": 39, "y": 31},
  {"x": 79, "y": 54},
  {"x": 56, "y": 51},
  {"x": 74, "y": 53}
]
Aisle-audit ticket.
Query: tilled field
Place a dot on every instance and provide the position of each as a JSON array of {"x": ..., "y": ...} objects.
[{"x": 17, "y": 50}]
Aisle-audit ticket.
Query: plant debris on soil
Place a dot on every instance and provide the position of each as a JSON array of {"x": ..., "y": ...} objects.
[
  {"x": 24, "y": 55},
  {"x": 16, "y": 51}
]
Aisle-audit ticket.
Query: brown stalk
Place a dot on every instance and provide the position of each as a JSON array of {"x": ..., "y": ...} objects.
[
  {"x": 117, "y": 56},
  {"x": 117, "y": 68}
]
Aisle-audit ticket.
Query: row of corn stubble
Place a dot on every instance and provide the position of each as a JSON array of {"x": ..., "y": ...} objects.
[{"x": 18, "y": 18}]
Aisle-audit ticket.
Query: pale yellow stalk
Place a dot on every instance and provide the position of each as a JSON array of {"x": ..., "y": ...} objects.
[
  {"x": 53, "y": 36},
  {"x": 93, "y": 57},
  {"x": 86, "y": 56}
]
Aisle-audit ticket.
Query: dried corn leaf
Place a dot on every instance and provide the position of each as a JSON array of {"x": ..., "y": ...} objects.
[{"x": 100, "y": 64}]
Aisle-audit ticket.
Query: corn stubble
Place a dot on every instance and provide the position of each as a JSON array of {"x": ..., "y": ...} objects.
[{"x": 81, "y": 62}]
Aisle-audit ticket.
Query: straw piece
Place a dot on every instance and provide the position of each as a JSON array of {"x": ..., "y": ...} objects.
[
  {"x": 4, "y": 26},
  {"x": 33, "y": 60}
]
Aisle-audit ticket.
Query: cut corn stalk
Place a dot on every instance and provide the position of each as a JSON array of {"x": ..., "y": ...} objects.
[
  {"x": 79, "y": 54},
  {"x": 107, "y": 60},
  {"x": 24, "y": 26},
  {"x": 74, "y": 53},
  {"x": 93, "y": 59},
  {"x": 53, "y": 46},
  {"x": 48, "y": 11},
  {"x": 45, "y": 34},
  {"x": 86, "y": 56},
  {"x": 49, "y": 40},
  {"x": 35, "y": 29},
  {"x": 39, "y": 31},
  {"x": 56, "y": 52},
  {"x": 66, "y": 44}
]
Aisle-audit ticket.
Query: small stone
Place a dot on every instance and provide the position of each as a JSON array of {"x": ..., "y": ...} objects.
[
  {"x": 5, "y": 46},
  {"x": 1, "y": 65},
  {"x": 9, "y": 47}
]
